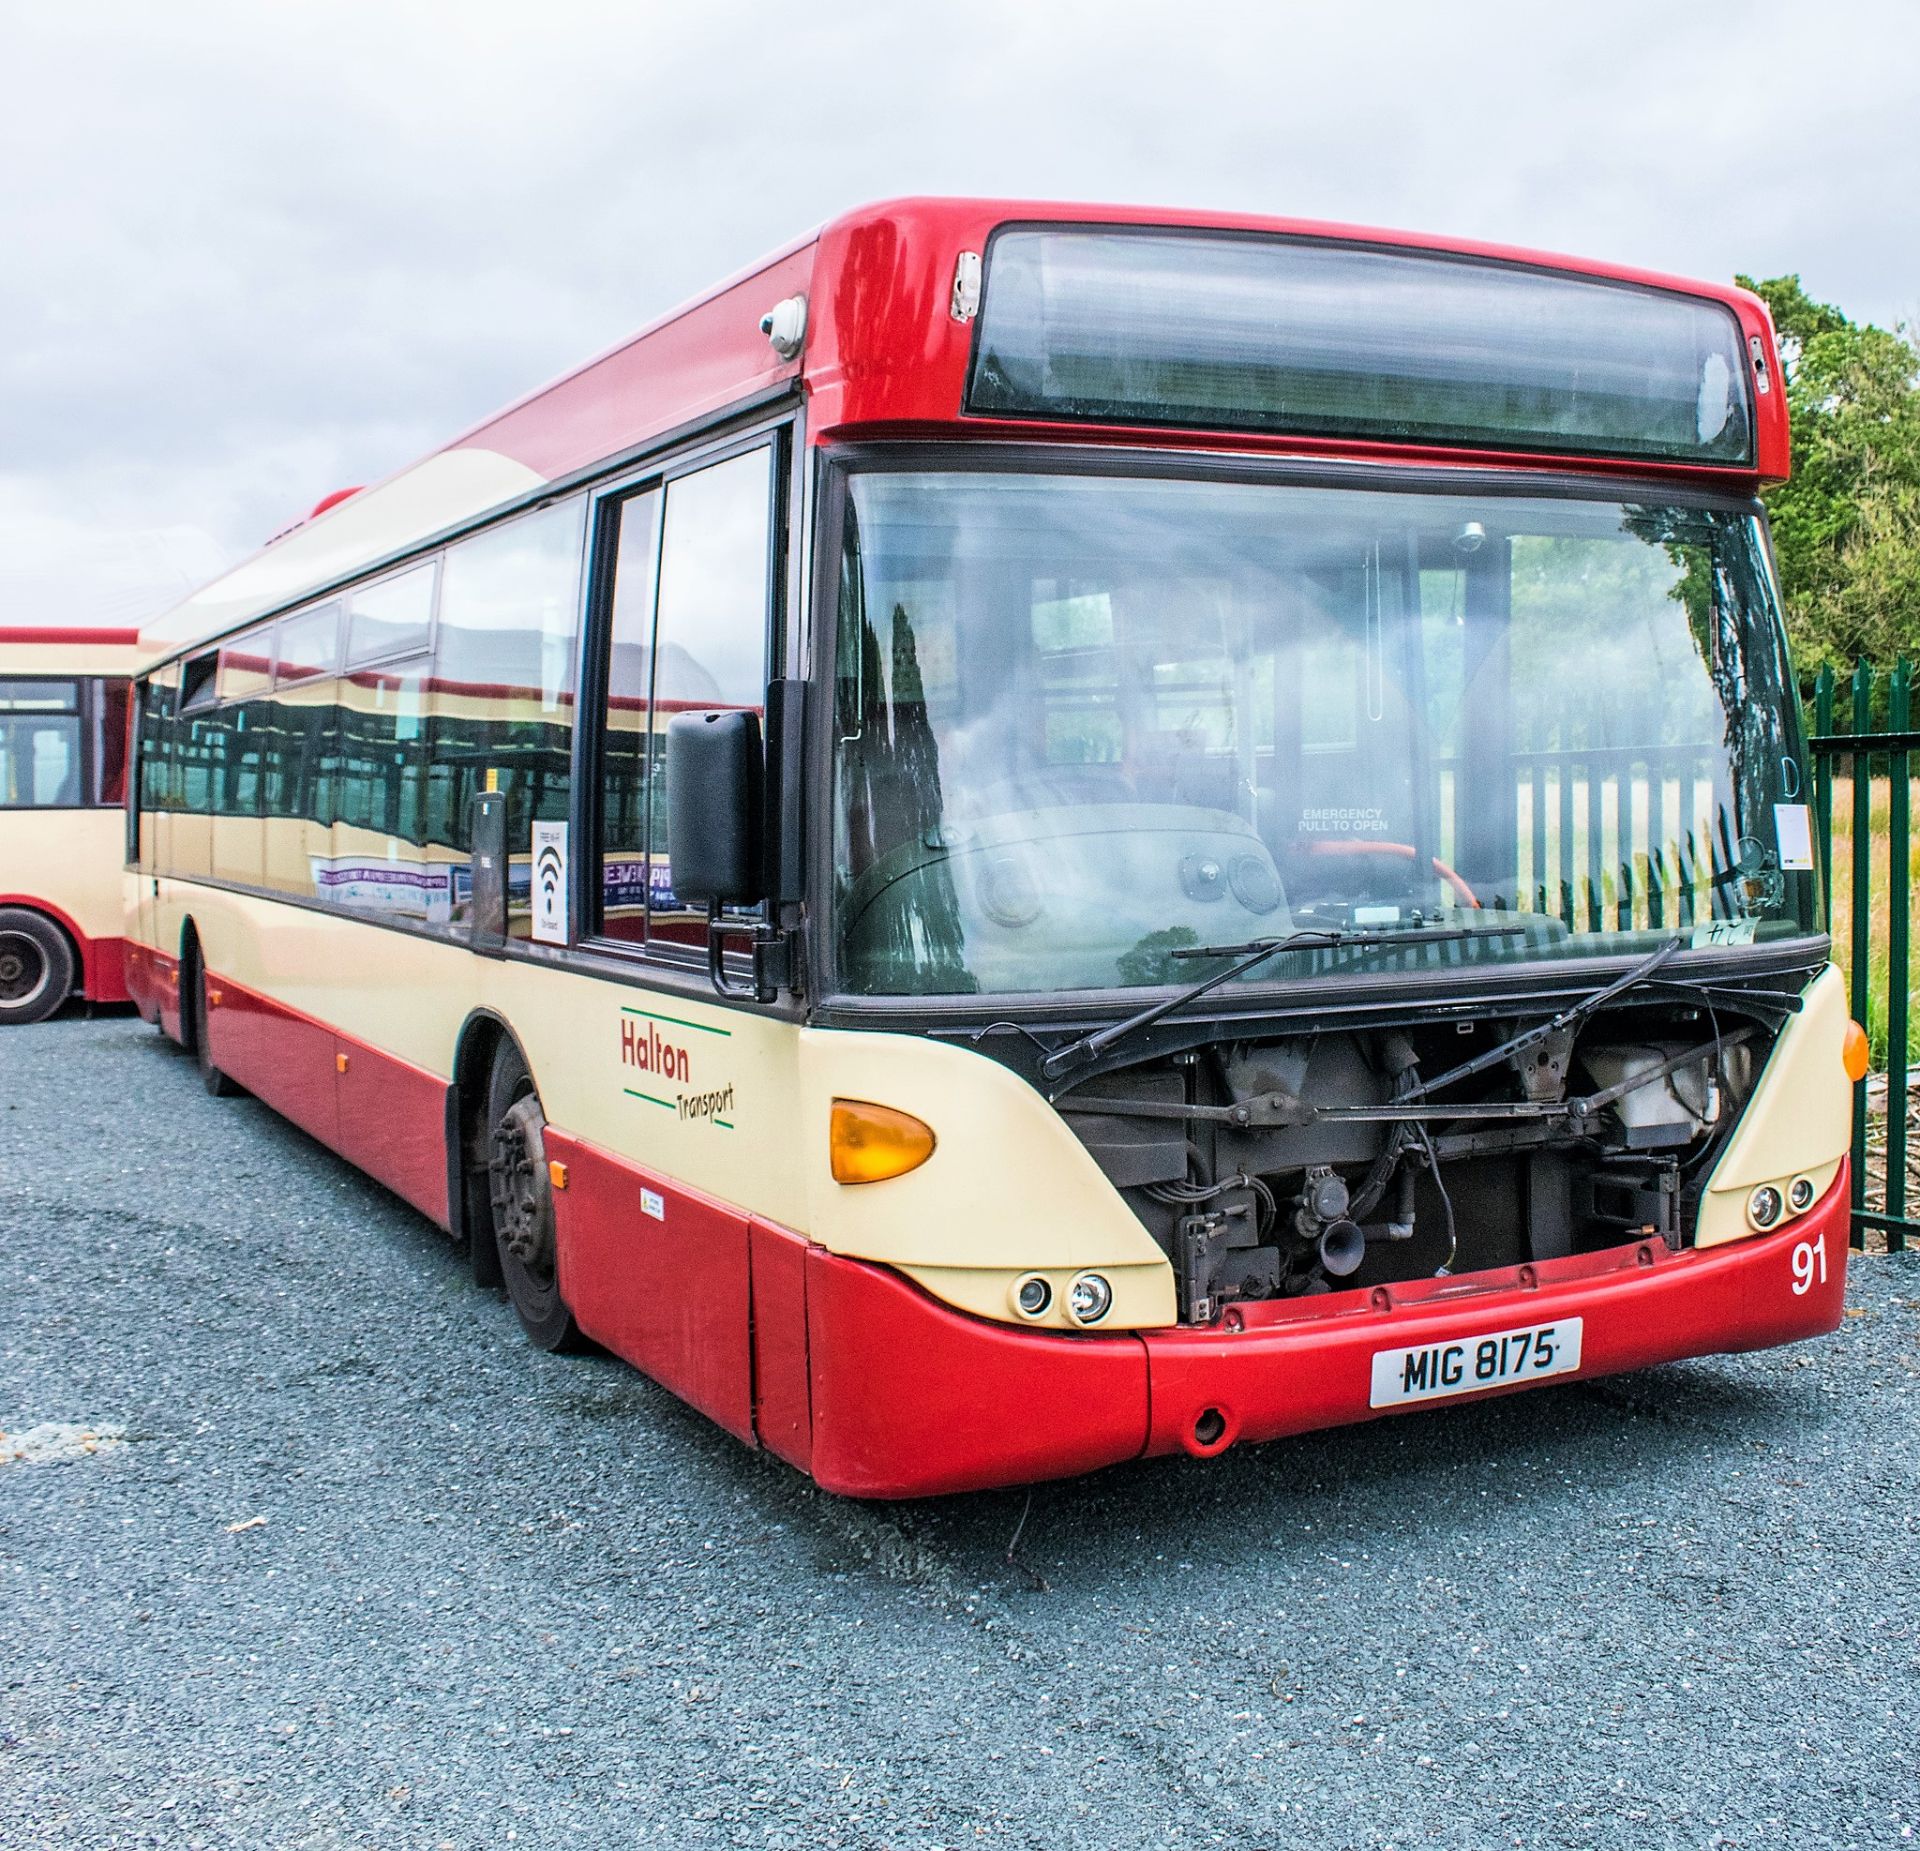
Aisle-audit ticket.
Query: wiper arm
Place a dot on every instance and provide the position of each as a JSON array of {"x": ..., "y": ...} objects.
[
  {"x": 1092, "y": 1045},
  {"x": 1545, "y": 1031}
]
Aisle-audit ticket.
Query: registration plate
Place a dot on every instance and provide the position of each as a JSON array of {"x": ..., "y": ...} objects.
[{"x": 1427, "y": 1371}]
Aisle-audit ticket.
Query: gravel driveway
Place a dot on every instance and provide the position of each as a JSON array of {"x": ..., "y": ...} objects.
[{"x": 300, "y": 1544}]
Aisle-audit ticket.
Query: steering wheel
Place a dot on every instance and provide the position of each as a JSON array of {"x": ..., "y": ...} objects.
[{"x": 1351, "y": 847}]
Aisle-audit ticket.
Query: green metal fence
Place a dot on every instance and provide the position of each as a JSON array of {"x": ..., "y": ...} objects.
[{"x": 1867, "y": 754}]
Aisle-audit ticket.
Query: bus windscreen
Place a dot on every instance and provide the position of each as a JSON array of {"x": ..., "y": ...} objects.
[{"x": 1222, "y": 331}]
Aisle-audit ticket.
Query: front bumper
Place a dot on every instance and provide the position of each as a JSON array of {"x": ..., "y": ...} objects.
[{"x": 907, "y": 1398}]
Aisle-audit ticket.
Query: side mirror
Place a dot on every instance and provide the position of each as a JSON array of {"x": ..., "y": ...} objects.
[{"x": 715, "y": 773}]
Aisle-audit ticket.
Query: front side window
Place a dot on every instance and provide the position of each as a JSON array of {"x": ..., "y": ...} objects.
[
  {"x": 689, "y": 630},
  {"x": 1084, "y": 724}
]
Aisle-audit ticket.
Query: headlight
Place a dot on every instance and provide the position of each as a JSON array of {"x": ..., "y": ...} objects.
[
  {"x": 1089, "y": 1299},
  {"x": 1031, "y": 1296},
  {"x": 1800, "y": 1194},
  {"x": 1765, "y": 1206}
]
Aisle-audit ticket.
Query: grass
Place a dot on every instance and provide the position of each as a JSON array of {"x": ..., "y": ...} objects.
[{"x": 1880, "y": 889}]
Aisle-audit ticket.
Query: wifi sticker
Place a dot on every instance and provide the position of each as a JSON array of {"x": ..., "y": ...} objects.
[{"x": 550, "y": 883}]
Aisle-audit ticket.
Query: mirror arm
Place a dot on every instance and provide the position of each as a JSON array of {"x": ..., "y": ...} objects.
[{"x": 772, "y": 957}]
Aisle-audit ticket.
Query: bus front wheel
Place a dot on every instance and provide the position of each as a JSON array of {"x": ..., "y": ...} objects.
[
  {"x": 520, "y": 1197},
  {"x": 36, "y": 966}
]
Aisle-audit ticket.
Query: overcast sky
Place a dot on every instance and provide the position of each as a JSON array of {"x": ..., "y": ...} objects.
[{"x": 251, "y": 253}]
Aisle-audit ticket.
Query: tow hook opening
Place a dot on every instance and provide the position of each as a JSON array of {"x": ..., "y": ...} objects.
[{"x": 1212, "y": 1433}]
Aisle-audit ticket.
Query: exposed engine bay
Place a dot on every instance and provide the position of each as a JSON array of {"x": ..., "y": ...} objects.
[{"x": 1273, "y": 1167}]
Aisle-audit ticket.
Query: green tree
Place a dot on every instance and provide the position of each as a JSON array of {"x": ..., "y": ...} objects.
[{"x": 1847, "y": 526}]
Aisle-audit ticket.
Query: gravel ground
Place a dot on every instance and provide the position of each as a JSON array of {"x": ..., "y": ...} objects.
[{"x": 307, "y": 1547}]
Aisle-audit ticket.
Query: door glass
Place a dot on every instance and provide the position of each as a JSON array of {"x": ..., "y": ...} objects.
[
  {"x": 623, "y": 787},
  {"x": 711, "y": 641}
]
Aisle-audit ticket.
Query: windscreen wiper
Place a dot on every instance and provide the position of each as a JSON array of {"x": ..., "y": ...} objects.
[
  {"x": 1546, "y": 1031},
  {"x": 1091, "y": 1046}
]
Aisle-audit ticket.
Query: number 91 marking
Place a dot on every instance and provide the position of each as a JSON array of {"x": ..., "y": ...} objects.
[{"x": 1809, "y": 1259}]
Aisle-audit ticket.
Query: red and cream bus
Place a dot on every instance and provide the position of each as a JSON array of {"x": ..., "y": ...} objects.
[
  {"x": 1033, "y": 835},
  {"x": 63, "y": 775}
]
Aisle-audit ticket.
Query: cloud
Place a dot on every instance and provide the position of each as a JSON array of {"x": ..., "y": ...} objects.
[{"x": 256, "y": 253}]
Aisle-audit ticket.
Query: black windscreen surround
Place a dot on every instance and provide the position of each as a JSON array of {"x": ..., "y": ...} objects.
[{"x": 1258, "y": 333}]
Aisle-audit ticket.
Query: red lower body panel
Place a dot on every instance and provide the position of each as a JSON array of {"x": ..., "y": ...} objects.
[
  {"x": 103, "y": 969},
  {"x": 850, "y": 1372},
  {"x": 393, "y": 1123},
  {"x": 910, "y": 1397},
  {"x": 153, "y": 984},
  {"x": 283, "y": 1058},
  {"x": 658, "y": 1274},
  {"x": 383, "y": 1114}
]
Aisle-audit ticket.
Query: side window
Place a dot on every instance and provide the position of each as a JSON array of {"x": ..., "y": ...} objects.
[
  {"x": 244, "y": 677},
  {"x": 381, "y": 863},
  {"x": 39, "y": 744},
  {"x": 503, "y": 684},
  {"x": 711, "y": 634},
  {"x": 392, "y": 618},
  {"x": 688, "y": 629},
  {"x": 298, "y": 740}
]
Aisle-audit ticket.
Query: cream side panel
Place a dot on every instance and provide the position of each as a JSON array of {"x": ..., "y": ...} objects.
[
  {"x": 1800, "y": 1121},
  {"x": 72, "y": 859},
  {"x": 712, "y": 1108},
  {"x": 1008, "y": 1185},
  {"x": 703, "y": 1095},
  {"x": 70, "y": 659}
]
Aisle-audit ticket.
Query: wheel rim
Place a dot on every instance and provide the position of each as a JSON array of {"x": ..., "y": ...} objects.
[
  {"x": 517, "y": 1179},
  {"x": 23, "y": 970}
]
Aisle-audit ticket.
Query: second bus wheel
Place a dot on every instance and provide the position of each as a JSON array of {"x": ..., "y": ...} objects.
[
  {"x": 36, "y": 966},
  {"x": 520, "y": 1198}
]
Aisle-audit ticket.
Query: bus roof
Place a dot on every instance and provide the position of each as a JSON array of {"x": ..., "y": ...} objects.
[{"x": 887, "y": 351}]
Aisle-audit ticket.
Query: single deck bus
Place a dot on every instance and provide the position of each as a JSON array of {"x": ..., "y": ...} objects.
[
  {"x": 63, "y": 759},
  {"x": 1033, "y": 835}
]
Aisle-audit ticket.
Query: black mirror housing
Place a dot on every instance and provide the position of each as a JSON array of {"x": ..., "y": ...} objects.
[{"x": 716, "y": 772}]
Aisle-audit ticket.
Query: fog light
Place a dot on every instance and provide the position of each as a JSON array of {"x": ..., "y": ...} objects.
[
  {"x": 1089, "y": 1298},
  {"x": 868, "y": 1143},
  {"x": 1765, "y": 1206},
  {"x": 1031, "y": 1296},
  {"x": 1800, "y": 1193}
]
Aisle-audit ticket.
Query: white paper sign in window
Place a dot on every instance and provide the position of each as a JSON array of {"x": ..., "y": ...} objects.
[
  {"x": 1793, "y": 828},
  {"x": 550, "y": 883}
]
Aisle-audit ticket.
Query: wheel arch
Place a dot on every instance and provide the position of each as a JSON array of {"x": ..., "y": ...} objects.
[
  {"x": 192, "y": 970},
  {"x": 468, "y": 1218}
]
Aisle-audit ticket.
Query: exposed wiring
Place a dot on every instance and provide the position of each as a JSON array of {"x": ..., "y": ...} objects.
[
  {"x": 1446, "y": 1202},
  {"x": 1197, "y": 1195}
]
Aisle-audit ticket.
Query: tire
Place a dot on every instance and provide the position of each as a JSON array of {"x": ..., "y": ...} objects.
[
  {"x": 216, "y": 1082},
  {"x": 36, "y": 966},
  {"x": 520, "y": 1203}
]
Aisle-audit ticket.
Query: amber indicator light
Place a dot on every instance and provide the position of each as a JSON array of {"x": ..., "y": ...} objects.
[{"x": 870, "y": 1143}]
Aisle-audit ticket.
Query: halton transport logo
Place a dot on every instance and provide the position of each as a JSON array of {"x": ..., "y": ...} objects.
[{"x": 666, "y": 1061}]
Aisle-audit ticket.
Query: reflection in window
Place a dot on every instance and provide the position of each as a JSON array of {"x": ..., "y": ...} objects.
[
  {"x": 503, "y": 676},
  {"x": 391, "y": 618},
  {"x": 711, "y": 639},
  {"x": 623, "y": 782},
  {"x": 1174, "y": 713}
]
